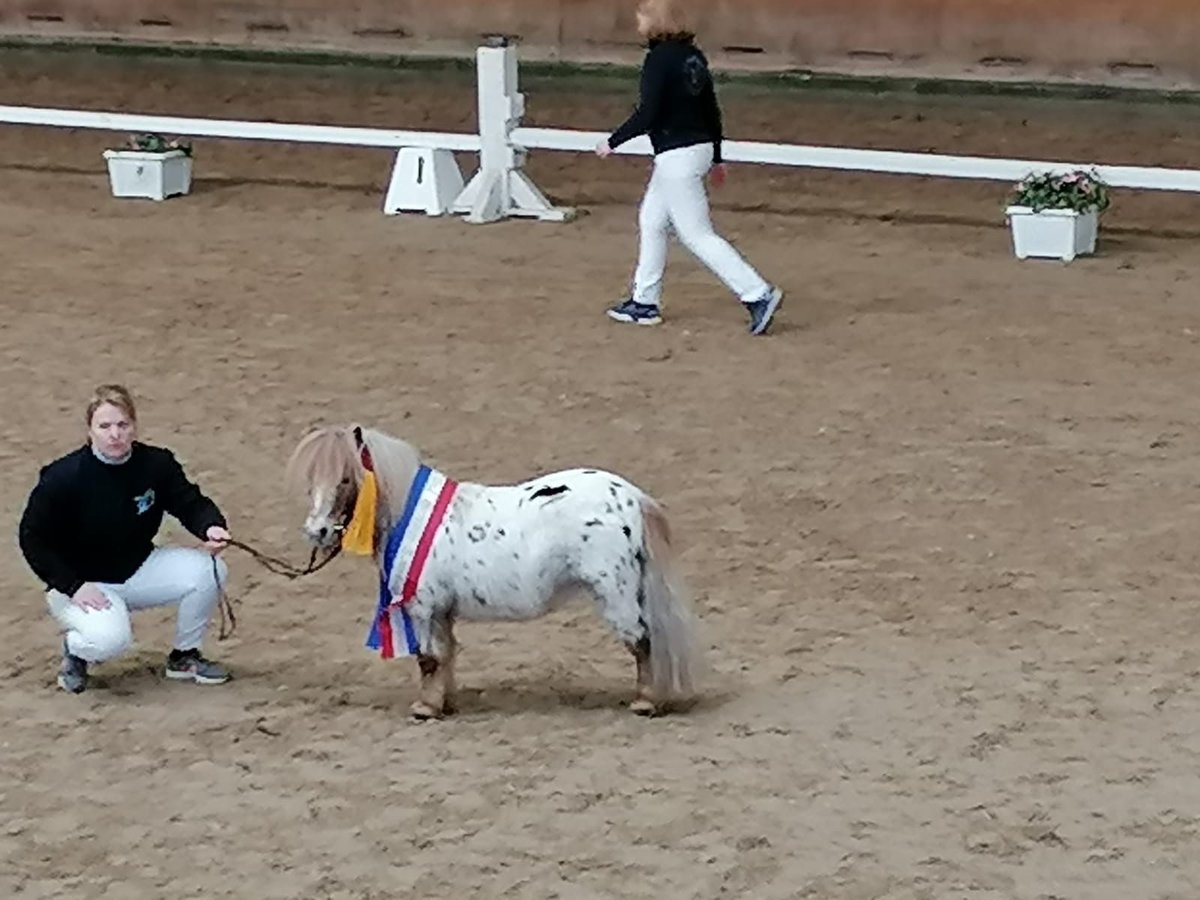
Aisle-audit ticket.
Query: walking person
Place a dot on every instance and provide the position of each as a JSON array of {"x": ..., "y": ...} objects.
[
  {"x": 88, "y": 533},
  {"x": 678, "y": 110}
]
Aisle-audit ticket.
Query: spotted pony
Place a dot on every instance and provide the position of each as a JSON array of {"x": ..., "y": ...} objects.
[{"x": 499, "y": 552}]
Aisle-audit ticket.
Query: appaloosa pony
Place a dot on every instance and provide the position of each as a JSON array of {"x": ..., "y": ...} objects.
[{"x": 449, "y": 550}]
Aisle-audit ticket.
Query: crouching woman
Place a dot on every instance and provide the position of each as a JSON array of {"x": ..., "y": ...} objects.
[{"x": 88, "y": 533}]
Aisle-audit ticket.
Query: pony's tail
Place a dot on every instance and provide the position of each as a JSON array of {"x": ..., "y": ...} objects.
[{"x": 675, "y": 653}]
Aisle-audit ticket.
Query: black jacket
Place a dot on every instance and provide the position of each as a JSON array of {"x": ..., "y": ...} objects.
[
  {"x": 678, "y": 104},
  {"x": 86, "y": 520}
]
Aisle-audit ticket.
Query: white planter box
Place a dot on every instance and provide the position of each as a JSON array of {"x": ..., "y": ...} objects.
[
  {"x": 1052, "y": 233},
  {"x": 156, "y": 176}
]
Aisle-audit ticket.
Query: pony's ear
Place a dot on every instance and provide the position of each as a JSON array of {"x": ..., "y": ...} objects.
[{"x": 363, "y": 450}]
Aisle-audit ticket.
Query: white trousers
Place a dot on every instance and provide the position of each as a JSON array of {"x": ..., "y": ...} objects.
[
  {"x": 676, "y": 197},
  {"x": 169, "y": 576}
]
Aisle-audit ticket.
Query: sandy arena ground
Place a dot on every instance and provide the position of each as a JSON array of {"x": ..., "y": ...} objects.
[{"x": 940, "y": 525}]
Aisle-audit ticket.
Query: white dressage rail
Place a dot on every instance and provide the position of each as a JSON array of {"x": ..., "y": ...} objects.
[
  {"x": 890, "y": 161},
  {"x": 253, "y": 131},
  {"x": 500, "y": 188}
]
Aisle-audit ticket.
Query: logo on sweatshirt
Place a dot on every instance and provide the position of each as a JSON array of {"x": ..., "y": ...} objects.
[
  {"x": 144, "y": 501},
  {"x": 695, "y": 75}
]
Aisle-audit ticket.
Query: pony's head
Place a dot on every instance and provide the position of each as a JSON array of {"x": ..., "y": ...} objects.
[{"x": 329, "y": 465}]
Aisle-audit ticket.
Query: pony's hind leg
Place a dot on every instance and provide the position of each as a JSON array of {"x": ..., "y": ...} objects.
[
  {"x": 618, "y": 602},
  {"x": 643, "y": 703}
]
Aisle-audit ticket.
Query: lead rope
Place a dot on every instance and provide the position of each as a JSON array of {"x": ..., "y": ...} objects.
[
  {"x": 224, "y": 605},
  {"x": 272, "y": 564}
]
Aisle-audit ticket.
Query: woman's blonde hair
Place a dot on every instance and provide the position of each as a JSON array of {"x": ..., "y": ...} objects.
[
  {"x": 116, "y": 394},
  {"x": 667, "y": 18}
]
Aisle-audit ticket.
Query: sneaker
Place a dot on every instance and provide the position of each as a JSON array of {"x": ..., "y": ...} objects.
[
  {"x": 190, "y": 665},
  {"x": 762, "y": 311},
  {"x": 73, "y": 673},
  {"x": 637, "y": 313}
]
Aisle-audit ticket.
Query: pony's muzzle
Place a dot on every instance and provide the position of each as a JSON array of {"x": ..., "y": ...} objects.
[{"x": 321, "y": 535}]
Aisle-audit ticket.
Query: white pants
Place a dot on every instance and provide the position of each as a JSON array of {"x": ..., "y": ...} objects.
[
  {"x": 676, "y": 197},
  {"x": 170, "y": 575}
]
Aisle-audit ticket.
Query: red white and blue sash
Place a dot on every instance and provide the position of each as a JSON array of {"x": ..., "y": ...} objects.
[{"x": 404, "y": 558}]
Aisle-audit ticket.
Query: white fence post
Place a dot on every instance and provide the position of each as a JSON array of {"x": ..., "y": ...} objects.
[{"x": 501, "y": 188}]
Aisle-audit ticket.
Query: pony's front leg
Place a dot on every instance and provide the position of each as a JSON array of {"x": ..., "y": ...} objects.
[
  {"x": 449, "y": 658},
  {"x": 436, "y": 696},
  {"x": 431, "y": 700}
]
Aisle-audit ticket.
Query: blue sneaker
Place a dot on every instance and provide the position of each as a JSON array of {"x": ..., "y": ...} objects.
[
  {"x": 637, "y": 313},
  {"x": 73, "y": 673},
  {"x": 762, "y": 311}
]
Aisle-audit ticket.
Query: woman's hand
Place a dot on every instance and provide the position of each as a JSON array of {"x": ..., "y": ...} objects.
[
  {"x": 717, "y": 175},
  {"x": 90, "y": 597},
  {"x": 218, "y": 539},
  {"x": 602, "y": 149}
]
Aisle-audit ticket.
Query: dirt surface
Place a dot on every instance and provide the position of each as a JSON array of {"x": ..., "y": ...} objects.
[{"x": 938, "y": 524}]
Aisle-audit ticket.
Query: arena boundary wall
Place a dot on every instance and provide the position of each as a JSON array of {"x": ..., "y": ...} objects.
[{"x": 1149, "y": 43}]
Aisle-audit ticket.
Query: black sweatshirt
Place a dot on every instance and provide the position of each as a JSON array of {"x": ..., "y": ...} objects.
[
  {"x": 88, "y": 520},
  {"x": 678, "y": 104}
]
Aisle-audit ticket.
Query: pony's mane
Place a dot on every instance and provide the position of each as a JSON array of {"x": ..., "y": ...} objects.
[
  {"x": 327, "y": 454},
  {"x": 395, "y": 462}
]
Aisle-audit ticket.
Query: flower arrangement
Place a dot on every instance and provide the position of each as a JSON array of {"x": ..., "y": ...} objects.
[
  {"x": 150, "y": 166},
  {"x": 1081, "y": 191},
  {"x": 156, "y": 143}
]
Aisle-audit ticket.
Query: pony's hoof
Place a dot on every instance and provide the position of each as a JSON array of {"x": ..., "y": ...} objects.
[
  {"x": 423, "y": 712},
  {"x": 643, "y": 707}
]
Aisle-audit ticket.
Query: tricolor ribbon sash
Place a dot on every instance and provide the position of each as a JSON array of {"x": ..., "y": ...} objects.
[{"x": 404, "y": 558}]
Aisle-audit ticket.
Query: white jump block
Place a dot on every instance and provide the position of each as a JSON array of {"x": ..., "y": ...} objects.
[
  {"x": 154, "y": 176},
  {"x": 424, "y": 179}
]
